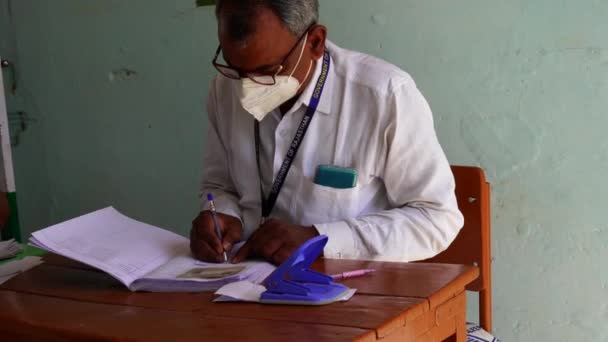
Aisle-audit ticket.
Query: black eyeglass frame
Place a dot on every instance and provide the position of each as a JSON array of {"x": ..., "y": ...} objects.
[{"x": 235, "y": 74}]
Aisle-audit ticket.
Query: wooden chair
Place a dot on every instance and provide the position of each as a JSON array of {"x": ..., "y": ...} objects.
[{"x": 472, "y": 245}]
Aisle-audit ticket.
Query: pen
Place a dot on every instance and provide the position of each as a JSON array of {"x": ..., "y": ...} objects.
[
  {"x": 218, "y": 232},
  {"x": 352, "y": 274}
]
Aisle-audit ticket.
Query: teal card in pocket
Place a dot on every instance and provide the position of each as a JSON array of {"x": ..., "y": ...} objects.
[{"x": 336, "y": 177}]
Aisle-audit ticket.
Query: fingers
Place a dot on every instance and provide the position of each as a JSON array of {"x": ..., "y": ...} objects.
[
  {"x": 281, "y": 255},
  {"x": 202, "y": 250},
  {"x": 204, "y": 242},
  {"x": 274, "y": 241},
  {"x": 232, "y": 231},
  {"x": 245, "y": 252},
  {"x": 232, "y": 235},
  {"x": 266, "y": 242},
  {"x": 268, "y": 247},
  {"x": 206, "y": 232}
]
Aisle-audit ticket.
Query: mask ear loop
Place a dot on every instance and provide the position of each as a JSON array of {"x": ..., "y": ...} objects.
[
  {"x": 300, "y": 57},
  {"x": 298, "y": 63},
  {"x": 307, "y": 73}
]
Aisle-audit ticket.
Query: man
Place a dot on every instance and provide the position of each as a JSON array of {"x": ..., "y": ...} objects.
[{"x": 285, "y": 94}]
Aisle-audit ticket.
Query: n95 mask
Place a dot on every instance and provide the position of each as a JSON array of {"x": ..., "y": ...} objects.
[{"x": 259, "y": 99}]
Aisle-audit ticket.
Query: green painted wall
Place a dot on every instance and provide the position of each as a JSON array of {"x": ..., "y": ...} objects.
[
  {"x": 518, "y": 87},
  {"x": 120, "y": 88}
]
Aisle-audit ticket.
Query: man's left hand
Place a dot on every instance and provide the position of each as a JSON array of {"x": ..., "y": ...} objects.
[{"x": 275, "y": 241}]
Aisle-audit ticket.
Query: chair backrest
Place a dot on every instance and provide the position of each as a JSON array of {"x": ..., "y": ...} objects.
[{"x": 472, "y": 245}]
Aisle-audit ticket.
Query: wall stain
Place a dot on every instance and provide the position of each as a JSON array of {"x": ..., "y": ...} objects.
[
  {"x": 122, "y": 74},
  {"x": 502, "y": 145},
  {"x": 377, "y": 19}
]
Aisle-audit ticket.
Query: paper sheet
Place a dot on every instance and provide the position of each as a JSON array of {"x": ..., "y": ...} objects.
[
  {"x": 9, "y": 249},
  {"x": 245, "y": 291},
  {"x": 185, "y": 263},
  {"x": 141, "y": 256},
  {"x": 125, "y": 248},
  {"x": 231, "y": 253},
  {"x": 13, "y": 268},
  {"x": 166, "y": 278}
]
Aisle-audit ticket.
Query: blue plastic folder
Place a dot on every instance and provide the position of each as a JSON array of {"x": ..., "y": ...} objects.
[{"x": 294, "y": 283}]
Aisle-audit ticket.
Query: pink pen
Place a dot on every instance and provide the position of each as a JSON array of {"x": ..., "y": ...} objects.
[{"x": 352, "y": 274}]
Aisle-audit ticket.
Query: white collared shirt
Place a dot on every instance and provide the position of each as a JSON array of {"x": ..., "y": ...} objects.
[{"x": 371, "y": 118}]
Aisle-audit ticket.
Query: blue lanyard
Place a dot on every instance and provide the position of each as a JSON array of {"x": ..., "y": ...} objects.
[{"x": 269, "y": 203}]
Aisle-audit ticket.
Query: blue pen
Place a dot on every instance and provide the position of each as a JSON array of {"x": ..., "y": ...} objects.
[{"x": 218, "y": 232}]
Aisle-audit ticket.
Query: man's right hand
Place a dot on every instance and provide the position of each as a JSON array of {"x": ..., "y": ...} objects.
[{"x": 205, "y": 244}]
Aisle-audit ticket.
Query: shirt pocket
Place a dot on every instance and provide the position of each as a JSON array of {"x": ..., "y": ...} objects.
[{"x": 318, "y": 204}]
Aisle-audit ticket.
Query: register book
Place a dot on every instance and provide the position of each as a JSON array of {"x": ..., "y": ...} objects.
[{"x": 141, "y": 256}]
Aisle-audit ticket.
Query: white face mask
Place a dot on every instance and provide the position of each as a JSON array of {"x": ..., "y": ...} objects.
[{"x": 259, "y": 99}]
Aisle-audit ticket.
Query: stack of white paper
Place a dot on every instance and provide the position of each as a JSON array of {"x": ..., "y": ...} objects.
[
  {"x": 141, "y": 256},
  {"x": 9, "y": 249}
]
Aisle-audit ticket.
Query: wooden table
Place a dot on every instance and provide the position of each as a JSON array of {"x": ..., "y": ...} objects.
[{"x": 63, "y": 300}]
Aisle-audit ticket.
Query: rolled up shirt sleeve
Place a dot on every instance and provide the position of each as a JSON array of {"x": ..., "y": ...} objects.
[{"x": 216, "y": 177}]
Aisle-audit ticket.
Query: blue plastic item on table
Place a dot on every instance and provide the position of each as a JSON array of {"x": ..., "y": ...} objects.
[{"x": 294, "y": 283}]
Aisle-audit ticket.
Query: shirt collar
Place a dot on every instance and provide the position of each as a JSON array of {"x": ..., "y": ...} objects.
[{"x": 328, "y": 90}]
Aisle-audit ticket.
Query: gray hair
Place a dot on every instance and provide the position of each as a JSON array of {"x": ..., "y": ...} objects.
[{"x": 296, "y": 15}]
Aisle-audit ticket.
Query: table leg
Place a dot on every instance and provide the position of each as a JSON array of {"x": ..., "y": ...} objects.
[{"x": 450, "y": 323}]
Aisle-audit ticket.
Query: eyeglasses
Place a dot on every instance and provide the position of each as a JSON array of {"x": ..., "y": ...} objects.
[{"x": 264, "y": 78}]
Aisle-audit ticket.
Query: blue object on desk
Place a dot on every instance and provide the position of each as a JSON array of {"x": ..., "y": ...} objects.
[{"x": 294, "y": 283}]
